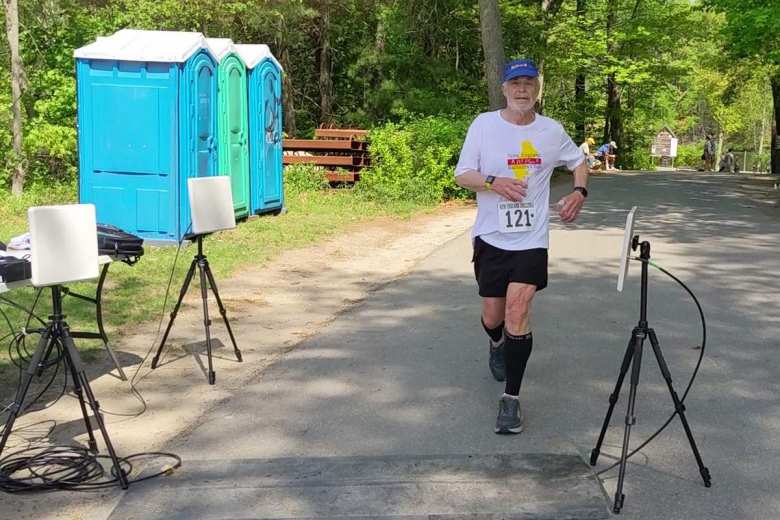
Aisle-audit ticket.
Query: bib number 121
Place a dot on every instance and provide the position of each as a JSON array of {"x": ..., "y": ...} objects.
[{"x": 515, "y": 217}]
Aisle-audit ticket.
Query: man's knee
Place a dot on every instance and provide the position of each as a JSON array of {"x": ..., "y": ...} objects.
[
  {"x": 493, "y": 312},
  {"x": 492, "y": 320}
]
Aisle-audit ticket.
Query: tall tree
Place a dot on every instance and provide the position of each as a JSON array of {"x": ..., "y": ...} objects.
[
  {"x": 324, "y": 54},
  {"x": 493, "y": 48},
  {"x": 548, "y": 10},
  {"x": 751, "y": 31},
  {"x": 17, "y": 87},
  {"x": 579, "y": 85},
  {"x": 613, "y": 119}
]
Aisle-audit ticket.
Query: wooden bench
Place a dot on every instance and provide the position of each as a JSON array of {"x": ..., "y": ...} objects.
[
  {"x": 340, "y": 133},
  {"x": 331, "y": 148}
]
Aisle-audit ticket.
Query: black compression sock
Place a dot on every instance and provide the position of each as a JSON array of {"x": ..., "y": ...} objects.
[
  {"x": 495, "y": 334},
  {"x": 517, "y": 350}
]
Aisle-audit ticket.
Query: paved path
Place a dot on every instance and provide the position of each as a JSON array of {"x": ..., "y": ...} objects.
[{"x": 405, "y": 373}]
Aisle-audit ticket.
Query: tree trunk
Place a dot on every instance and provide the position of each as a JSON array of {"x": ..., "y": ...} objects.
[
  {"x": 775, "y": 136},
  {"x": 540, "y": 100},
  {"x": 549, "y": 9},
  {"x": 290, "y": 126},
  {"x": 326, "y": 81},
  {"x": 613, "y": 120},
  {"x": 761, "y": 136},
  {"x": 17, "y": 86},
  {"x": 719, "y": 149},
  {"x": 493, "y": 48},
  {"x": 579, "y": 86}
]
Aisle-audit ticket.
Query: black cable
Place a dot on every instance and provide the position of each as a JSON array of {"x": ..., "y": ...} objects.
[
  {"x": 75, "y": 468},
  {"x": 695, "y": 370},
  {"x": 133, "y": 388},
  {"x": 71, "y": 468},
  {"x": 23, "y": 356}
]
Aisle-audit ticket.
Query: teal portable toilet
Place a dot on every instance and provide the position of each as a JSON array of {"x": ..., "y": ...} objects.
[
  {"x": 232, "y": 122},
  {"x": 147, "y": 121},
  {"x": 265, "y": 128}
]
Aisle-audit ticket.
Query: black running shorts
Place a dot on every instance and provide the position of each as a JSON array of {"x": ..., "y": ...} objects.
[{"x": 496, "y": 268}]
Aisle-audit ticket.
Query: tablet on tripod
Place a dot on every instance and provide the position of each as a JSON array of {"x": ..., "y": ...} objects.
[{"x": 625, "y": 251}]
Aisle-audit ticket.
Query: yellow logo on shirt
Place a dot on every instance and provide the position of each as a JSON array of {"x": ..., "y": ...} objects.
[{"x": 527, "y": 162}]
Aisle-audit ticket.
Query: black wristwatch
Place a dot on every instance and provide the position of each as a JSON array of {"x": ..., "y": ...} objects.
[
  {"x": 582, "y": 190},
  {"x": 489, "y": 180}
]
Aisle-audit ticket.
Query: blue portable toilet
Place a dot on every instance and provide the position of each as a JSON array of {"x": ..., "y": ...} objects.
[
  {"x": 147, "y": 121},
  {"x": 265, "y": 128}
]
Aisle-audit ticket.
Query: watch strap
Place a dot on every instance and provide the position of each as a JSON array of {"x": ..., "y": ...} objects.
[{"x": 582, "y": 190}]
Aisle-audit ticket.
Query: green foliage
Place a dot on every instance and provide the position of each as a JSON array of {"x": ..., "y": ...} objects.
[
  {"x": 689, "y": 154},
  {"x": 415, "y": 160},
  {"x": 751, "y": 28},
  {"x": 299, "y": 178},
  {"x": 695, "y": 69}
]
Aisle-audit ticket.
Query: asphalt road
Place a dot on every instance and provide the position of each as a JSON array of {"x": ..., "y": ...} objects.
[{"x": 405, "y": 373}]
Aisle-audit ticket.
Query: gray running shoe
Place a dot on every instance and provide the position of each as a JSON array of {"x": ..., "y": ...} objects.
[
  {"x": 496, "y": 363},
  {"x": 510, "y": 418}
]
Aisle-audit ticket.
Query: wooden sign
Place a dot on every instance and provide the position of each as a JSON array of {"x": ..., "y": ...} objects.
[{"x": 664, "y": 144}]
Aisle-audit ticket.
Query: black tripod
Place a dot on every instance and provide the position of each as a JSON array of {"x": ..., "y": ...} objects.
[
  {"x": 633, "y": 357},
  {"x": 57, "y": 331},
  {"x": 202, "y": 264}
]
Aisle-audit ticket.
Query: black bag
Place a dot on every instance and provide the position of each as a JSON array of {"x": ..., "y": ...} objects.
[
  {"x": 114, "y": 242},
  {"x": 13, "y": 269}
]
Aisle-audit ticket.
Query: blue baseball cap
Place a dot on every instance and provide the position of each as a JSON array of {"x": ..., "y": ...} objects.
[{"x": 517, "y": 68}]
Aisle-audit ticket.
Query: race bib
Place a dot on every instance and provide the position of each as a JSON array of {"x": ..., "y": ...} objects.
[{"x": 516, "y": 217}]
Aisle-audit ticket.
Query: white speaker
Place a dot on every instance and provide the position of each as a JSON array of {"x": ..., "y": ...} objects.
[
  {"x": 211, "y": 204},
  {"x": 63, "y": 244}
]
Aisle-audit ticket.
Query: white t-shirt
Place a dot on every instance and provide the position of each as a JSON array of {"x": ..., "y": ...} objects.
[
  {"x": 494, "y": 146},
  {"x": 585, "y": 147}
]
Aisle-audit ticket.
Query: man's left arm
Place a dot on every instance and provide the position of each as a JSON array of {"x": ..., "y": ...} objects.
[{"x": 572, "y": 203}]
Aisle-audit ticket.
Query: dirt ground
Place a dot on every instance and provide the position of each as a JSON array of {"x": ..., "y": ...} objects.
[{"x": 271, "y": 309}]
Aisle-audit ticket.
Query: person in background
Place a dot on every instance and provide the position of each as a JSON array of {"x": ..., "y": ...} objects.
[
  {"x": 709, "y": 153},
  {"x": 589, "y": 157},
  {"x": 606, "y": 153},
  {"x": 728, "y": 163}
]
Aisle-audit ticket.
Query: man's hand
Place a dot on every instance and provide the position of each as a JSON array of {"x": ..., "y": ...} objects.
[
  {"x": 570, "y": 206},
  {"x": 511, "y": 189}
]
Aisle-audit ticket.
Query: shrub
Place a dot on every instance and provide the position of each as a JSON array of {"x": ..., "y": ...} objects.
[
  {"x": 299, "y": 178},
  {"x": 415, "y": 160},
  {"x": 689, "y": 154}
]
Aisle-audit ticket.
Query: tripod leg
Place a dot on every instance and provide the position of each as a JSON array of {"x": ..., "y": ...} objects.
[
  {"x": 202, "y": 266},
  {"x": 80, "y": 395},
  {"x": 99, "y": 319},
  {"x": 222, "y": 310},
  {"x": 636, "y": 364},
  {"x": 613, "y": 398},
  {"x": 679, "y": 407},
  {"x": 41, "y": 365},
  {"x": 182, "y": 293},
  {"x": 24, "y": 386},
  {"x": 77, "y": 367}
]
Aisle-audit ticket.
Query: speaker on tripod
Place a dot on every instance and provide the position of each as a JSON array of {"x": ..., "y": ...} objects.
[
  {"x": 63, "y": 250},
  {"x": 632, "y": 360},
  {"x": 211, "y": 206}
]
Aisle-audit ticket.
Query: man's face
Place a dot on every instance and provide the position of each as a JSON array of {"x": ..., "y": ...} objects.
[{"x": 521, "y": 93}]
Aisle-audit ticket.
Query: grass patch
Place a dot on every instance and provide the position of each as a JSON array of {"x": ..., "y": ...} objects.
[{"x": 134, "y": 294}]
